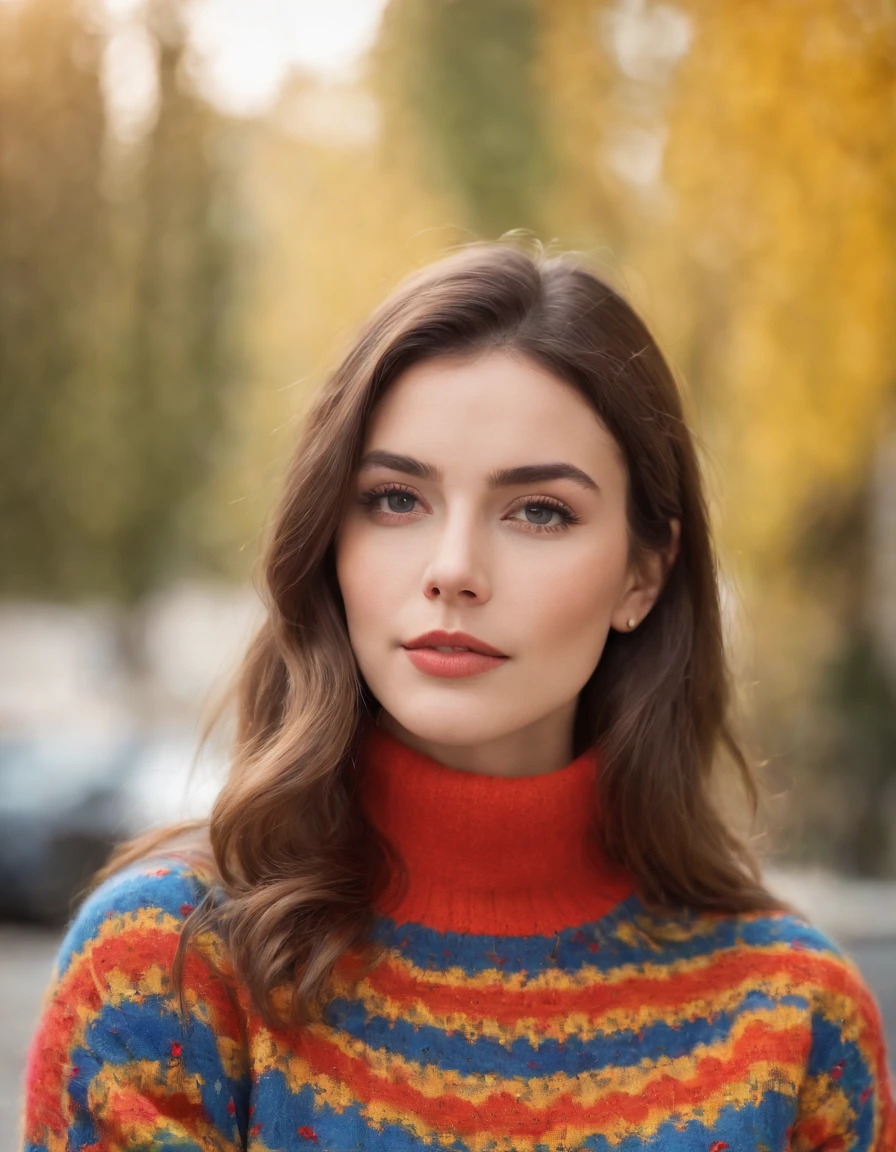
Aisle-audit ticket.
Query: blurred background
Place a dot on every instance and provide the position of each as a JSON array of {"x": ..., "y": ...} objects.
[{"x": 199, "y": 200}]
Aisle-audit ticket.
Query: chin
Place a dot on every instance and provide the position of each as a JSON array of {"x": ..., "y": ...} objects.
[{"x": 453, "y": 727}]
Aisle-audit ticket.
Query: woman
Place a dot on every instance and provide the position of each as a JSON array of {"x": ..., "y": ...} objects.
[{"x": 466, "y": 886}]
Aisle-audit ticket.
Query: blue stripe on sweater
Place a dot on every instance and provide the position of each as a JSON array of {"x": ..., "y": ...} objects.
[
  {"x": 841, "y": 1059},
  {"x": 569, "y": 950}
]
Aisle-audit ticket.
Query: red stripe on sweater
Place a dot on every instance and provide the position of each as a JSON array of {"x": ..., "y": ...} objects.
[
  {"x": 512, "y": 1117},
  {"x": 722, "y": 972}
]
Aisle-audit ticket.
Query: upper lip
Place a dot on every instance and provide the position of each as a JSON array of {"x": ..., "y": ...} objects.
[{"x": 442, "y": 639}]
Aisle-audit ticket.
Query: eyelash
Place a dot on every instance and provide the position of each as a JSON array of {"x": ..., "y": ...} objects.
[{"x": 368, "y": 500}]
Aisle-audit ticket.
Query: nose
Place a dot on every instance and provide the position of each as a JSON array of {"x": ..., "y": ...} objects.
[{"x": 458, "y": 568}]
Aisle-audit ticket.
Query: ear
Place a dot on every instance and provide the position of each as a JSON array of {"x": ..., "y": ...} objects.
[{"x": 645, "y": 582}]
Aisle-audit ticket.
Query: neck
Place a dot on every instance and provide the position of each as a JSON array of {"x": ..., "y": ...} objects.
[
  {"x": 488, "y": 854},
  {"x": 541, "y": 747}
]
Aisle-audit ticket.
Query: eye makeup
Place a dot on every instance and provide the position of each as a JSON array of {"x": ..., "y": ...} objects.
[{"x": 370, "y": 500}]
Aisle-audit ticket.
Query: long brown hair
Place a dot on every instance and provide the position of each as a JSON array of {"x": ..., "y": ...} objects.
[{"x": 286, "y": 841}]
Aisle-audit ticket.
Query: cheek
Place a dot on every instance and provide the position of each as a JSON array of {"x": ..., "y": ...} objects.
[
  {"x": 569, "y": 599},
  {"x": 369, "y": 578},
  {"x": 573, "y": 619}
]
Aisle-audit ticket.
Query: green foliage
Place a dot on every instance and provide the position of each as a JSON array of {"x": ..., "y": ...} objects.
[
  {"x": 51, "y": 242},
  {"x": 178, "y": 349},
  {"x": 469, "y": 75},
  {"x": 116, "y": 352},
  {"x": 858, "y": 690}
]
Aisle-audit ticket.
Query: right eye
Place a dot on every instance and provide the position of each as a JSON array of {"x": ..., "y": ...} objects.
[{"x": 401, "y": 500}]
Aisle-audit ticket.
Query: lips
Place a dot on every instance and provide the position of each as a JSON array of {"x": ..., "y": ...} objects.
[
  {"x": 452, "y": 664},
  {"x": 462, "y": 640}
]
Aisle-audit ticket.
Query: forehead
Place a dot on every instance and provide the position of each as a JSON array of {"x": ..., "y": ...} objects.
[{"x": 492, "y": 409}]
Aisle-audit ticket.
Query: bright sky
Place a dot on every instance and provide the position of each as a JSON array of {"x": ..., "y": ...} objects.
[
  {"x": 247, "y": 47},
  {"x": 251, "y": 44}
]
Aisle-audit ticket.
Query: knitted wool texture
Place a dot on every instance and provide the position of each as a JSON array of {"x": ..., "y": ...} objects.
[{"x": 527, "y": 1001}]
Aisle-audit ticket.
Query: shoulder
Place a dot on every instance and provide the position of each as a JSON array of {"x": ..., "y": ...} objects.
[
  {"x": 847, "y": 1089},
  {"x": 772, "y": 932},
  {"x": 147, "y": 902},
  {"x": 779, "y": 953},
  {"x": 119, "y": 951},
  {"x": 688, "y": 932},
  {"x": 809, "y": 999},
  {"x": 808, "y": 960},
  {"x": 112, "y": 1055},
  {"x": 115, "y": 971},
  {"x": 822, "y": 1005}
]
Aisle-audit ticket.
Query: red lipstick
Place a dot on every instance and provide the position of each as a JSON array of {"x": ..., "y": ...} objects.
[{"x": 474, "y": 655}]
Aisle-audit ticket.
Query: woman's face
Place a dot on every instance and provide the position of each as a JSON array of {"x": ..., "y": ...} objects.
[{"x": 535, "y": 566}]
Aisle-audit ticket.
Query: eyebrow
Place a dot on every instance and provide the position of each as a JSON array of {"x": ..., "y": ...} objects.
[{"x": 501, "y": 478}]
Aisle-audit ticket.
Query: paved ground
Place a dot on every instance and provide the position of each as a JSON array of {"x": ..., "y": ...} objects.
[{"x": 26, "y": 957}]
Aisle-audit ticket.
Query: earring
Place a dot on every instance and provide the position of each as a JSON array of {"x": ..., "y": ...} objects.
[{"x": 631, "y": 623}]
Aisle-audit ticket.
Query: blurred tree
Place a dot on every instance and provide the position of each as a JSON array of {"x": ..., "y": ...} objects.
[
  {"x": 179, "y": 352},
  {"x": 781, "y": 162},
  {"x": 846, "y": 756},
  {"x": 858, "y": 761},
  {"x": 116, "y": 348},
  {"x": 52, "y": 126},
  {"x": 585, "y": 204},
  {"x": 468, "y": 73}
]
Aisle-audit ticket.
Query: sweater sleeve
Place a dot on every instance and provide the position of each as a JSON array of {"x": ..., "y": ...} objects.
[
  {"x": 846, "y": 1100},
  {"x": 111, "y": 1065}
]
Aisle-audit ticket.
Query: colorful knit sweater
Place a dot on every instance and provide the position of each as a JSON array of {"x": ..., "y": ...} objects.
[{"x": 526, "y": 1000}]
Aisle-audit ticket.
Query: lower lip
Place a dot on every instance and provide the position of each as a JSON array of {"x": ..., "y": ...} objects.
[{"x": 436, "y": 663}]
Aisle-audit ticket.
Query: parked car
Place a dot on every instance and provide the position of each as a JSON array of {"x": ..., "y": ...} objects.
[{"x": 67, "y": 798}]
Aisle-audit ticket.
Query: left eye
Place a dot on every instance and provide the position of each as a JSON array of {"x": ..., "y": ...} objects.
[
  {"x": 543, "y": 513},
  {"x": 405, "y": 497}
]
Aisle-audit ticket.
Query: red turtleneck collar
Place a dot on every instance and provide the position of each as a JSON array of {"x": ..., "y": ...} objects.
[{"x": 489, "y": 854}]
